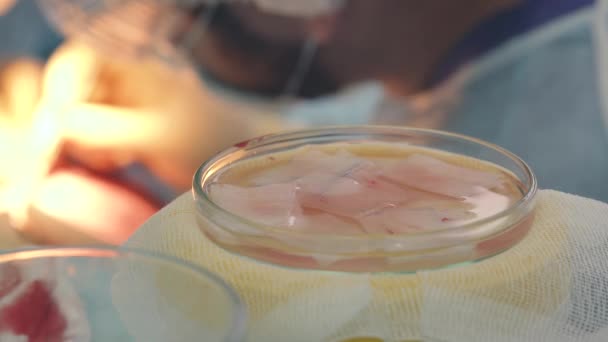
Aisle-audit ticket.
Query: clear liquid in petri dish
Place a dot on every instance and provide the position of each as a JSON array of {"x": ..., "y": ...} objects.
[
  {"x": 373, "y": 188},
  {"x": 367, "y": 206}
]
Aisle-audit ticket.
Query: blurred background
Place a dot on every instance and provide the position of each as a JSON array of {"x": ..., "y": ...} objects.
[{"x": 108, "y": 107}]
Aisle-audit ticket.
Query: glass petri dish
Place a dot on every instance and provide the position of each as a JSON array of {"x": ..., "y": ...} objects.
[
  {"x": 410, "y": 251},
  {"x": 113, "y": 294}
]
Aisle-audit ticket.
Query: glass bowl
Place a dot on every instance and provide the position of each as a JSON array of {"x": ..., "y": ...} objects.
[
  {"x": 113, "y": 294},
  {"x": 405, "y": 252}
]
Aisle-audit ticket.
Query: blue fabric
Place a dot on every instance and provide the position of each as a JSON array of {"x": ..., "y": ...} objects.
[
  {"x": 542, "y": 103},
  {"x": 491, "y": 33},
  {"x": 544, "y": 106}
]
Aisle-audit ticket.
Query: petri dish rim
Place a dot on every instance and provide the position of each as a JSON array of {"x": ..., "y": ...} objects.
[
  {"x": 238, "y": 326},
  {"x": 205, "y": 203}
]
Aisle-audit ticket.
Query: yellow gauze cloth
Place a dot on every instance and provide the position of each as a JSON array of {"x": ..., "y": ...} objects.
[{"x": 552, "y": 286}]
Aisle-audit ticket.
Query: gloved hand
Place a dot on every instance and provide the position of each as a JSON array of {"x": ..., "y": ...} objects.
[
  {"x": 145, "y": 111},
  {"x": 19, "y": 91},
  {"x": 71, "y": 205}
]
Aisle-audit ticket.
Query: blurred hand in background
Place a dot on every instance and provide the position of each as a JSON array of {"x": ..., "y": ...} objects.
[
  {"x": 122, "y": 112},
  {"x": 73, "y": 205},
  {"x": 148, "y": 112}
]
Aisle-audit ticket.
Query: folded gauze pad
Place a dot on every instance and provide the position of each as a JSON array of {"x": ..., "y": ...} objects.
[{"x": 552, "y": 286}]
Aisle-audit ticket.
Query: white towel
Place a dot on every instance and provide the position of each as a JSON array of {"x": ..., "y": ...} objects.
[{"x": 552, "y": 286}]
